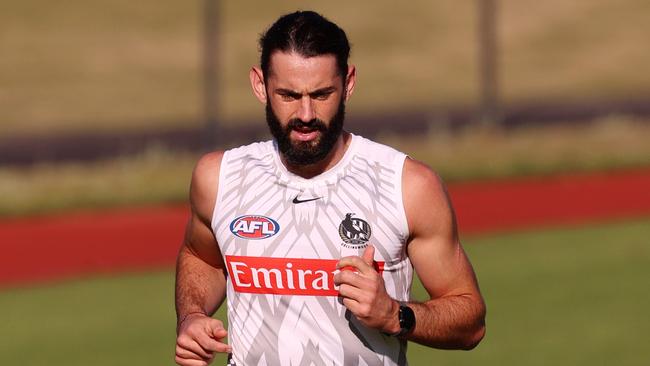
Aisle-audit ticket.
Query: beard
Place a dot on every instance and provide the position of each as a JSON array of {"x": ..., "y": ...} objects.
[{"x": 306, "y": 152}]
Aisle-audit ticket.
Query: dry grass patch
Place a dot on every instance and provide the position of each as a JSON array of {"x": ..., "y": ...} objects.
[
  {"x": 153, "y": 177},
  {"x": 609, "y": 143},
  {"x": 163, "y": 176},
  {"x": 118, "y": 65}
]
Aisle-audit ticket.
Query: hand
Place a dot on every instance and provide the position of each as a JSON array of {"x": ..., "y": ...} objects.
[
  {"x": 199, "y": 337},
  {"x": 364, "y": 292}
]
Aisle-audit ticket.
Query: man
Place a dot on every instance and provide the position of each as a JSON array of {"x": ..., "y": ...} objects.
[{"x": 314, "y": 236}]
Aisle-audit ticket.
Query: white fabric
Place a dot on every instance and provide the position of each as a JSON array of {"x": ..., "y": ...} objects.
[{"x": 281, "y": 308}]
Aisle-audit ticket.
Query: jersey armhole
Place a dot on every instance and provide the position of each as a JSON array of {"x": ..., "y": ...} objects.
[{"x": 403, "y": 221}]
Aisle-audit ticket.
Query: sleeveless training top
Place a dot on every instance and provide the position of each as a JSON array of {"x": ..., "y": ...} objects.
[{"x": 281, "y": 236}]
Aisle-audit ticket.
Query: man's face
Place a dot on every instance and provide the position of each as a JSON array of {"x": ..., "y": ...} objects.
[{"x": 305, "y": 106}]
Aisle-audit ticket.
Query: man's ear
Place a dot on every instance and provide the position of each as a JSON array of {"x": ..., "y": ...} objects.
[
  {"x": 350, "y": 81},
  {"x": 257, "y": 83}
]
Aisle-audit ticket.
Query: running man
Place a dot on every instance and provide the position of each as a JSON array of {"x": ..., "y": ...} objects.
[{"x": 313, "y": 237}]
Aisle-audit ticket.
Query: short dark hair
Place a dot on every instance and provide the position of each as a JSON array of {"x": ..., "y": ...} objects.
[{"x": 307, "y": 33}]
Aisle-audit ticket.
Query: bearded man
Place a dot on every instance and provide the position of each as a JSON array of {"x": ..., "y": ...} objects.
[{"x": 313, "y": 237}]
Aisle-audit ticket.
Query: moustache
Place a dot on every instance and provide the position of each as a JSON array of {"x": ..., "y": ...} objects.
[{"x": 312, "y": 125}]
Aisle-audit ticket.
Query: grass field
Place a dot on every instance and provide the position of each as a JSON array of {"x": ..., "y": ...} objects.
[
  {"x": 120, "y": 65},
  {"x": 574, "y": 296}
]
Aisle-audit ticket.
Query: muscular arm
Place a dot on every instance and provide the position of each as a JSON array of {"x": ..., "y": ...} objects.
[
  {"x": 200, "y": 280},
  {"x": 200, "y": 273},
  {"x": 454, "y": 316}
]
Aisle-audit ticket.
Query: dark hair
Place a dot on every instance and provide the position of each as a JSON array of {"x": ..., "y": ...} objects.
[{"x": 308, "y": 34}]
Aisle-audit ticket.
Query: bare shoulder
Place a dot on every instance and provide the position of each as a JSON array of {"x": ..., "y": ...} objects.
[
  {"x": 208, "y": 163},
  {"x": 205, "y": 183},
  {"x": 416, "y": 174},
  {"x": 425, "y": 199}
]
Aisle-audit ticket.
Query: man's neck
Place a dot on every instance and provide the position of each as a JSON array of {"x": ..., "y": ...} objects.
[{"x": 334, "y": 156}]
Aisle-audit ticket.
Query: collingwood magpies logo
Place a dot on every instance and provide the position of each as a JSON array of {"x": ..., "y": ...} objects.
[{"x": 354, "y": 232}]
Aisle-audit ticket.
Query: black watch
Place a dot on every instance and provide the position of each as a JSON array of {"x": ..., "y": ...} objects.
[{"x": 406, "y": 318}]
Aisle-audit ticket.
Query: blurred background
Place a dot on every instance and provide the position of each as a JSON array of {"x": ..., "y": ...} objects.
[{"x": 105, "y": 106}]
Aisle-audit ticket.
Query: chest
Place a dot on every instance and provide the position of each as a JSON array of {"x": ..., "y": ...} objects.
[{"x": 266, "y": 217}]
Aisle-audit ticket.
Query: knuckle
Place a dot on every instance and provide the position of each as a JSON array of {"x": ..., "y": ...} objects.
[
  {"x": 344, "y": 275},
  {"x": 377, "y": 284},
  {"x": 194, "y": 326},
  {"x": 372, "y": 284},
  {"x": 364, "y": 311},
  {"x": 182, "y": 341},
  {"x": 216, "y": 322},
  {"x": 185, "y": 332}
]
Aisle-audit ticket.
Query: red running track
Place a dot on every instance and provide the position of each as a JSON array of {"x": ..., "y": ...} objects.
[
  {"x": 560, "y": 200},
  {"x": 63, "y": 246}
]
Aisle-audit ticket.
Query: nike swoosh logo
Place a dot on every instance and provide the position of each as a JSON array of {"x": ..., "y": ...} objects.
[{"x": 296, "y": 200}]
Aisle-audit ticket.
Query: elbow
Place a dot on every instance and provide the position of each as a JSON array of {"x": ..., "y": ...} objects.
[
  {"x": 477, "y": 332},
  {"x": 473, "y": 339}
]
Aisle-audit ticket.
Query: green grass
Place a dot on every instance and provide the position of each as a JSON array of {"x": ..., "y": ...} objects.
[
  {"x": 120, "y": 65},
  {"x": 574, "y": 296},
  {"x": 123, "y": 320}
]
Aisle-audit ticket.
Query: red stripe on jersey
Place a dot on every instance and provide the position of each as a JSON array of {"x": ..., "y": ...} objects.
[{"x": 285, "y": 276}]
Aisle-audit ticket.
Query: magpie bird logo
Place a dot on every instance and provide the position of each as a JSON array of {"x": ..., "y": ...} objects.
[{"x": 354, "y": 232}]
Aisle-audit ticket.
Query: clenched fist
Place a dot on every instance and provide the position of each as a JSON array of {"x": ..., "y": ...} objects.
[
  {"x": 364, "y": 293},
  {"x": 199, "y": 339}
]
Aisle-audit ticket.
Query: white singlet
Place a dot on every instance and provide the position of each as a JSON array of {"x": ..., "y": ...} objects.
[{"x": 281, "y": 235}]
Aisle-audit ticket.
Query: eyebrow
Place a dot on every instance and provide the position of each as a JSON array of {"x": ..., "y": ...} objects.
[{"x": 318, "y": 92}]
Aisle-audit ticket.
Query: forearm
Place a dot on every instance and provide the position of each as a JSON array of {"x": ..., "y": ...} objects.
[
  {"x": 200, "y": 287},
  {"x": 451, "y": 322}
]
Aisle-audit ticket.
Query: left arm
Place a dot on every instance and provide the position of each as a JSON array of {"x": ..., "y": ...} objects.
[{"x": 454, "y": 315}]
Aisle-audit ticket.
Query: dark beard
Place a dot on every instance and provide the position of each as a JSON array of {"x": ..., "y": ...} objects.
[{"x": 306, "y": 152}]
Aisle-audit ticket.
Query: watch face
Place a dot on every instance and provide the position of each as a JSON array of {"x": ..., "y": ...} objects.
[{"x": 406, "y": 319}]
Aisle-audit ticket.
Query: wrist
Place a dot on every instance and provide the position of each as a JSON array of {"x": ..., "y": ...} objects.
[
  {"x": 187, "y": 316},
  {"x": 392, "y": 325},
  {"x": 405, "y": 319}
]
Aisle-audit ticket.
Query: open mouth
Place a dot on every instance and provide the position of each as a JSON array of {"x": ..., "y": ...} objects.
[{"x": 305, "y": 133}]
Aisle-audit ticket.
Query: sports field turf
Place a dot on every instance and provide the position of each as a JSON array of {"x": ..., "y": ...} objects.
[{"x": 574, "y": 296}]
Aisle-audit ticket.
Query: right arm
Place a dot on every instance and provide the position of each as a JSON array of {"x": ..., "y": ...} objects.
[{"x": 200, "y": 273}]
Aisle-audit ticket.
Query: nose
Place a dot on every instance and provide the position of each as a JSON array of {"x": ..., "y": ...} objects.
[{"x": 306, "y": 111}]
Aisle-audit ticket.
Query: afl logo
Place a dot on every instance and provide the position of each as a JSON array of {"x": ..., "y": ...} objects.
[
  {"x": 254, "y": 227},
  {"x": 354, "y": 232}
]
